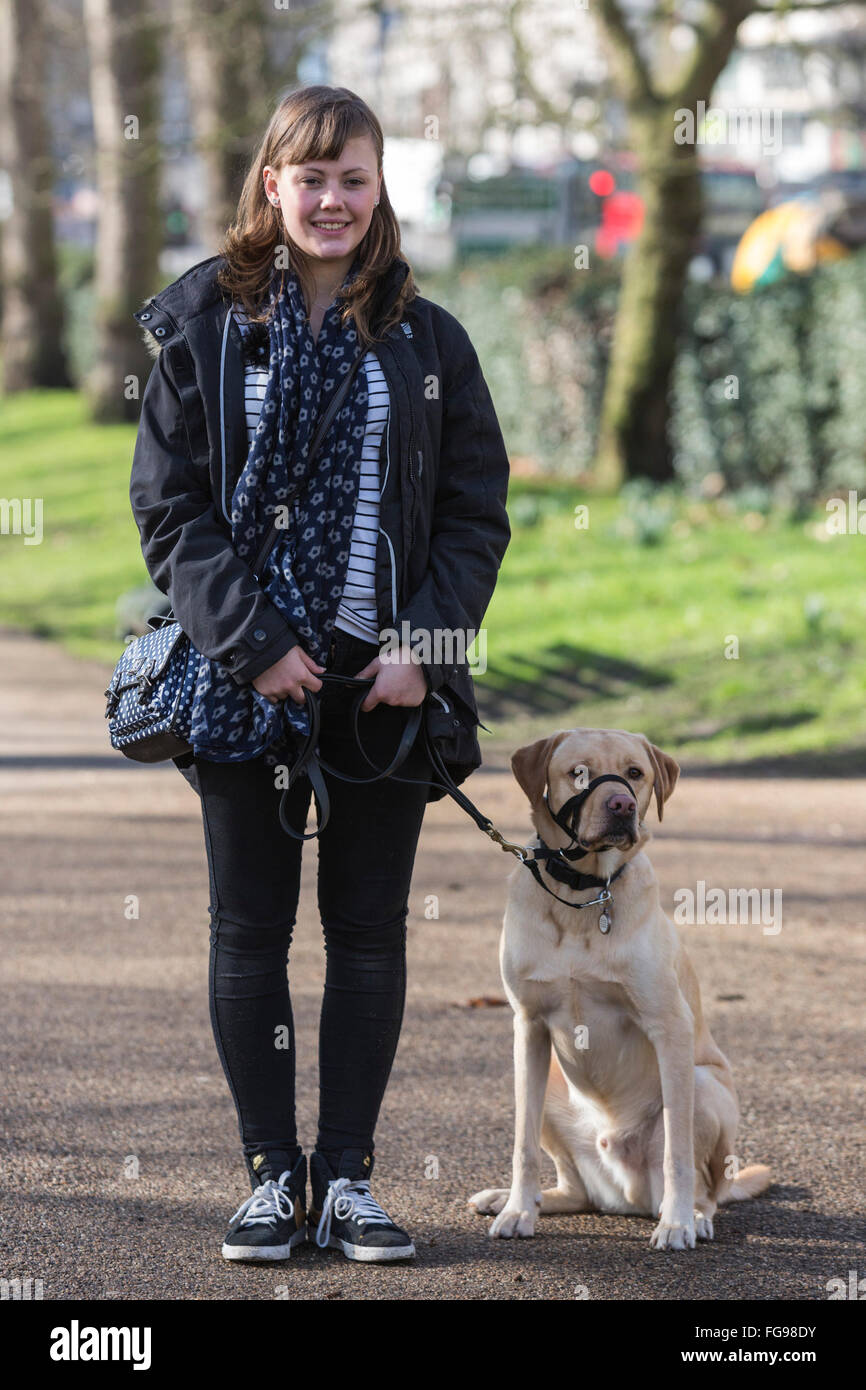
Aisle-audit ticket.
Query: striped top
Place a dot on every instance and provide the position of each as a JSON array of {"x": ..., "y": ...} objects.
[{"x": 357, "y": 612}]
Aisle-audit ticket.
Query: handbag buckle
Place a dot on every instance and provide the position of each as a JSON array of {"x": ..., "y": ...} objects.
[{"x": 145, "y": 681}]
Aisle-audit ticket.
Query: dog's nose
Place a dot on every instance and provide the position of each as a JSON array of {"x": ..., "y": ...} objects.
[{"x": 622, "y": 805}]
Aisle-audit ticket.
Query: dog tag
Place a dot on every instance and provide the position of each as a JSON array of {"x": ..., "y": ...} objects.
[{"x": 604, "y": 924}]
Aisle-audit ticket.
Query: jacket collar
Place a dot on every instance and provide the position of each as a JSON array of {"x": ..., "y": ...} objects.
[
  {"x": 197, "y": 290},
  {"x": 171, "y": 315}
]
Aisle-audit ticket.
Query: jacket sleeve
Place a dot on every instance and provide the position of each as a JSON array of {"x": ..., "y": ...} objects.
[
  {"x": 469, "y": 529},
  {"x": 188, "y": 553}
]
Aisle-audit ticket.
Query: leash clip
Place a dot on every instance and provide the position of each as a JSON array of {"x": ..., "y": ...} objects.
[
  {"x": 603, "y": 897},
  {"x": 518, "y": 850},
  {"x": 604, "y": 918}
]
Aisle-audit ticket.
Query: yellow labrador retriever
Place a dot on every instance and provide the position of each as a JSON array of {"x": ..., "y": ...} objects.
[{"x": 617, "y": 1076}]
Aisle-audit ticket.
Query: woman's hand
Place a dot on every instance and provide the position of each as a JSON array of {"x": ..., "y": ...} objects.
[
  {"x": 289, "y": 676},
  {"x": 399, "y": 680}
]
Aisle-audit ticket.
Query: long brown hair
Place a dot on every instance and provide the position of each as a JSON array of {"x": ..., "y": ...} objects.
[{"x": 310, "y": 123}]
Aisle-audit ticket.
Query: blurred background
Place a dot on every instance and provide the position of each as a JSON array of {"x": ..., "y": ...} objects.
[{"x": 650, "y": 218}]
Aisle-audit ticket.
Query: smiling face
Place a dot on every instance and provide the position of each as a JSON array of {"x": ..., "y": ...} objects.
[
  {"x": 327, "y": 204},
  {"x": 611, "y": 816}
]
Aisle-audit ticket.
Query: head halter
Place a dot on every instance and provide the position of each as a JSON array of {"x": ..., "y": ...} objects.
[{"x": 568, "y": 815}]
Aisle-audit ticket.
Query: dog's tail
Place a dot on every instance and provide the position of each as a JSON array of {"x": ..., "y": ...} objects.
[{"x": 749, "y": 1182}]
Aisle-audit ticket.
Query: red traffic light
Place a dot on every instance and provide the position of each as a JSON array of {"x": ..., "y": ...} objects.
[{"x": 602, "y": 183}]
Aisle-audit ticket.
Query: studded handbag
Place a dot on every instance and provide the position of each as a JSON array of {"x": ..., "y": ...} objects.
[{"x": 149, "y": 697}]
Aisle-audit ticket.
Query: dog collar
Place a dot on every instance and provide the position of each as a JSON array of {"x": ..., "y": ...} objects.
[{"x": 572, "y": 878}]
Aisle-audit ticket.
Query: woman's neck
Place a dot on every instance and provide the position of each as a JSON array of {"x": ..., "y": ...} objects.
[{"x": 327, "y": 279}]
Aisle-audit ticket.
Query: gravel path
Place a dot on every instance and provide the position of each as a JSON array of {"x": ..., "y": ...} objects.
[{"x": 120, "y": 1156}]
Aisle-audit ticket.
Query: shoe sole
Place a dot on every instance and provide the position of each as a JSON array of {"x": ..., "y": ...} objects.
[
  {"x": 370, "y": 1254},
  {"x": 264, "y": 1254}
]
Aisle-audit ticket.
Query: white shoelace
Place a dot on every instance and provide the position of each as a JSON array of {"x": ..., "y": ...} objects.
[
  {"x": 361, "y": 1205},
  {"x": 268, "y": 1202}
]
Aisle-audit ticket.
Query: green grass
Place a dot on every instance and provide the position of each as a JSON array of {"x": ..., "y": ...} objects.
[
  {"x": 662, "y": 614},
  {"x": 586, "y": 626},
  {"x": 67, "y": 586}
]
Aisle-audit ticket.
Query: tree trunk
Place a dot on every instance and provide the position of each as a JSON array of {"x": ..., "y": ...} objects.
[
  {"x": 634, "y": 416},
  {"x": 123, "y": 44},
  {"x": 633, "y": 439},
  {"x": 32, "y": 332},
  {"x": 232, "y": 92}
]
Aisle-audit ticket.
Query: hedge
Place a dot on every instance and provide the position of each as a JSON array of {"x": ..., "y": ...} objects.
[{"x": 768, "y": 389}]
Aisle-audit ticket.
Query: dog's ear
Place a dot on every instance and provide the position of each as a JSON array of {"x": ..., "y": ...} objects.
[
  {"x": 666, "y": 772},
  {"x": 530, "y": 765}
]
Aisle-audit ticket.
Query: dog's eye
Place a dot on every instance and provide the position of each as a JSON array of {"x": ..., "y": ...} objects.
[{"x": 634, "y": 773}]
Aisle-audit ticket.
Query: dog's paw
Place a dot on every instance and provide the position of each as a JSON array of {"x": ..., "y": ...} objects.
[
  {"x": 511, "y": 1222},
  {"x": 673, "y": 1236},
  {"x": 489, "y": 1202},
  {"x": 703, "y": 1226}
]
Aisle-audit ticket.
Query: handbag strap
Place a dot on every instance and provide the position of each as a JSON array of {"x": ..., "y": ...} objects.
[{"x": 270, "y": 539}]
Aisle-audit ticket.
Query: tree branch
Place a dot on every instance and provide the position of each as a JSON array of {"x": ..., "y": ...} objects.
[
  {"x": 635, "y": 80},
  {"x": 522, "y": 68},
  {"x": 783, "y": 7},
  {"x": 715, "y": 42}
]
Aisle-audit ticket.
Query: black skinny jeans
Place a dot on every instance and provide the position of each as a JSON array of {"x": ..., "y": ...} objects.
[{"x": 365, "y": 858}]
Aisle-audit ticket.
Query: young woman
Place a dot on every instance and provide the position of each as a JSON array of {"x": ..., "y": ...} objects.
[{"x": 396, "y": 530}]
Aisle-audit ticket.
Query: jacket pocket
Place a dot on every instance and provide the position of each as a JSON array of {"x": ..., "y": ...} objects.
[{"x": 451, "y": 724}]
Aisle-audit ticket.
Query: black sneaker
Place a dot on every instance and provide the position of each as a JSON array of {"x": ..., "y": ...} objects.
[
  {"x": 348, "y": 1217},
  {"x": 267, "y": 1225}
]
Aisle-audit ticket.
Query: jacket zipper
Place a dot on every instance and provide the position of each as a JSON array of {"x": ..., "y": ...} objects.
[
  {"x": 387, "y": 451},
  {"x": 384, "y": 533},
  {"x": 411, "y": 457},
  {"x": 223, "y": 470}
]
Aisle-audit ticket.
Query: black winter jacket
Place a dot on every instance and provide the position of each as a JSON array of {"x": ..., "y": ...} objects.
[{"x": 443, "y": 527}]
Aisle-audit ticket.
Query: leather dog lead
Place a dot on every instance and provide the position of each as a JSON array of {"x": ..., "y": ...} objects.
[{"x": 310, "y": 761}]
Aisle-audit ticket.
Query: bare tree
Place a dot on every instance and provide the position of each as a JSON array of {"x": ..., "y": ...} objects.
[
  {"x": 123, "y": 39},
  {"x": 633, "y": 433},
  {"x": 32, "y": 329},
  {"x": 238, "y": 55}
]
